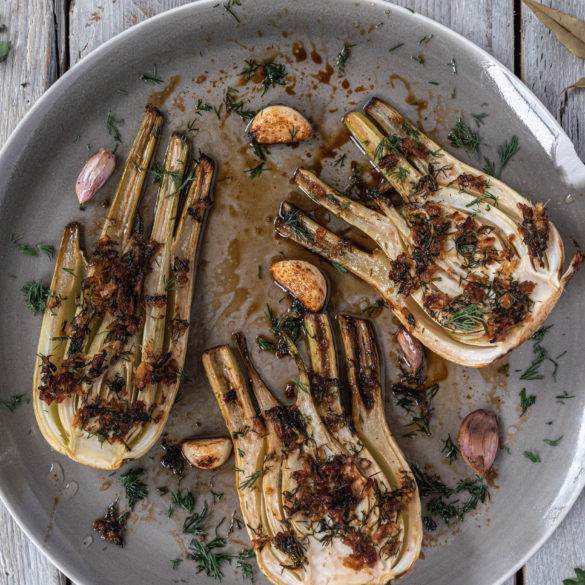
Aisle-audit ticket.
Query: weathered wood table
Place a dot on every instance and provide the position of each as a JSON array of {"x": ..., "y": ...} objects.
[{"x": 49, "y": 36}]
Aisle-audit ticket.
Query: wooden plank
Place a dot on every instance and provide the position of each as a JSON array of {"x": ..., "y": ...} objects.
[
  {"x": 29, "y": 70},
  {"x": 547, "y": 68},
  {"x": 488, "y": 23}
]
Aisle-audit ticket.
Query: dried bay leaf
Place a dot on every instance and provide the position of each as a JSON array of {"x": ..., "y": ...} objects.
[
  {"x": 569, "y": 30},
  {"x": 579, "y": 84}
]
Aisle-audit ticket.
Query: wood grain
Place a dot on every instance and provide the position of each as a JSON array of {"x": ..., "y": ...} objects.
[
  {"x": 51, "y": 37},
  {"x": 548, "y": 68}
]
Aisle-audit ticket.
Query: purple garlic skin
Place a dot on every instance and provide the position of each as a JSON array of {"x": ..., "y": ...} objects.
[
  {"x": 479, "y": 440},
  {"x": 95, "y": 172},
  {"x": 413, "y": 354}
]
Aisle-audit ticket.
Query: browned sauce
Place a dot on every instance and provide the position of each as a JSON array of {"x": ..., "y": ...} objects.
[
  {"x": 316, "y": 57},
  {"x": 411, "y": 99},
  {"x": 158, "y": 98},
  {"x": 299, "y": 52},
  {"x": 324, "y": 75}
]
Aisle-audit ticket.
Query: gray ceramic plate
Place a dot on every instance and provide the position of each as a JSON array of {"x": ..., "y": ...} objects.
[{"x": 199, "y": 50}]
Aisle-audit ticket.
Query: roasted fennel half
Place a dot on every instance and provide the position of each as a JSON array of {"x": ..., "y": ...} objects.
[
  {"x": 114, "y": 333},
  {"x": 326, "y": 499},
  {"x": 469, "y": 267}
]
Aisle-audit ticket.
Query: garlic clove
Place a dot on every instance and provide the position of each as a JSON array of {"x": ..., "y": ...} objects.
[
  {"x": 479, "y": 440},
  {"x": 302, "y": 280},
  {"x": 207, "y": 453},
  {"x": 95, "y": 172},
  {"x": 413, "y": 354},
  {"x": 279, "y": 125}
]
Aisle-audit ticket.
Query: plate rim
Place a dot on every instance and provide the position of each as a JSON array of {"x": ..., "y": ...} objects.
[{"x": 81, "y": 66}]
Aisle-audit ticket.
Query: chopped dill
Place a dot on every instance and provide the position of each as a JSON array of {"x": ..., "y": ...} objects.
[
  {"x": 450, "y": 449},
  {"x": 195, "y": 523},
  {"x": 534, "y": 457},
  {"x": 36, "y": 294},
  {"x": 175, "y": 564},
  {"x": 233, "y": 103},
  {"x": 151, "y": 78},
  {"x": 33, "y": 249},
  {"x": 202, "y": 106},
  {"x": 134, "y": 486},
  {"x": 560, "y": 398},
  {"x": 420, "y": 59},
  {"x": 292, "y": 218},
  {"x": 340, "y": 160},
  {"x": 526, "y": 401},
  {"x": 245, "y": 567},
  {"x": 463, "y": 136},
  {"x": 112, "y": 124},
  {"x": 467, "y": 318},
  {"x": 12, "y": 403},
  {"x": 425, "y": 39},
  {"x": 554, "y": 442},
  {"x": 250, "y": 481},
  {"x": 505, "y": 153},
  {"x": 344, "y": 55},
  {"x": 256, "y": 171},
  {"x": 184, "y": 500},
  {"x": 487, "y": 198},
  {"x": 480, "y": 118},
  {"x": 339, "y": 267},
  {"x": 388, "y": 144},
  {"x": 417, "y": 403},
  {"x": 392, "y": 49},
  {"x": 541, "y": 356},
  {"x": 228, "y": 6},
  {"x": 400, "y": 174},
  {"x": 207, "y": 558},
  {"x": 271, "y": 73},
  {"x": 159, "y": 172},
  {"x": 260, "y": 151}
]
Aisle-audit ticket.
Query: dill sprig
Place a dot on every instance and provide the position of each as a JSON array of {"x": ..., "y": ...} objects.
[
  {"x": 526, "y": 401},
  {"x": 12, "y": 403},
  {"x": 207, "y": 558},
  {"x": 233, "y": 103},
  {"x": 184, "y": 500},
  {"x": 112, "y": 125},
  {"x": 480, "y": 118},
  {"x": 257, "y": 170},
  {"x": 33, "y": 249},
  {"x": 505, "y": 153},
  {"x": 271, "y": 73},
  {"x": 531, "y": 456},
  {"x": 292, "y": 218},
  {"x": 388, "y": 144},
  {"x": 441, "y": 502},
  {"x": 195, "y": 523},
  {"x": 202, "y": 106},
  {"x": 450, "y": 449},
  {"x": 159, "y": 172},
  {"x": 468, "y": 318},
  {"x": 228, "y": 6},
  {"x": 464, "y": 136},
  {"x": 152, "y": 78},
  {"x": 245, "y": 567},
  {"x": 134, "y": 486},
  {"x": 250, "y": 481},
  {"x": 343, "y": 56},
  {"x": 36, "y": 295},
  {"x": 541, "y": 356},
  {"x": 417, "y": 403}
]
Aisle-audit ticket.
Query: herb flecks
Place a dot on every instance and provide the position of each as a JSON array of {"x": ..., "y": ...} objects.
[
  {"x": 526, "y": 401},
  {"x": 343, "y": 56},
  {"x": 450, "y": 449},
  {"x": 532, "y": 456},
  {"x": 33, "y": 249},
  {"x": 112, "y": 124},
  {"x": 463, "y": 136},
  {"x": 36, "y": 294},
  {"x": 152, "y": 77},
  {"x": 136, "y": 489},
  {"x": 269, "y": 74},
  {"x": 257, "y": 170},
  {"x": 541, "y": 355}
]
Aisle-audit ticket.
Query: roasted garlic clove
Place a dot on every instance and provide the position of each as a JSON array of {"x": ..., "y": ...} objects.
[
  {"x": 279, "y": 125},
  {"x": 207, "y": 453},
  {"x": 302, "y": 280},
  {"x": 479, "y": 440}
]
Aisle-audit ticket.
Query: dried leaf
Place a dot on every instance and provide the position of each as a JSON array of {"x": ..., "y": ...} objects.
[
  {"x": 569, "y": 30},
  {"x": 4, "y": 50},
  {"x": 579, "y": 84}
]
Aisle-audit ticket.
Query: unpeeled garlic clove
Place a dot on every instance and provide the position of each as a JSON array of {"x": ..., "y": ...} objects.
[
  {"x": 95, "y": 172},
  {"x": 302, "y": 280},
  {"x": 413, "y": 354},
  {"x": 207, "y": 453},
  {"x": 479, "y": 440}
]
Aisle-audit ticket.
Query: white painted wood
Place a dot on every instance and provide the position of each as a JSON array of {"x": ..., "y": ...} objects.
[
  {"x": 29, "y": 70},
  {"x": 548, "y": 68}
]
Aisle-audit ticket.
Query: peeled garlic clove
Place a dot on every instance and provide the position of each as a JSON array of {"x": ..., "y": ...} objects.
[
  {"x": 302, "y": 280},
  {"x": 207, "y": 453},
  {"x": 413, "y": 354},
  {"x": 279, "y": 125},
  {"x": 479, "y": 440},
  {"x": 94, "y": 174}
]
